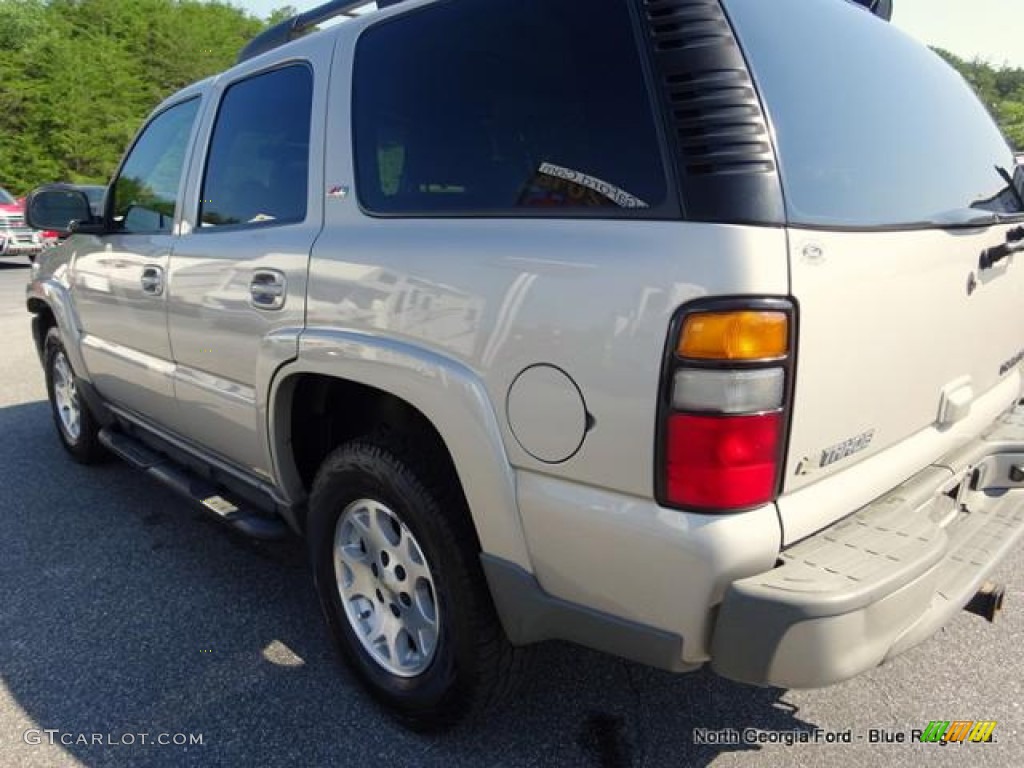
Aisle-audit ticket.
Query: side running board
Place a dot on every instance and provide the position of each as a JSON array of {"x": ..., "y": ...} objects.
[{"x": 208, "y": 496}]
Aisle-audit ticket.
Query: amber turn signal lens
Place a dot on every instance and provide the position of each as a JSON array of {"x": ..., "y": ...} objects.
[{"x": 740, "y": 335}]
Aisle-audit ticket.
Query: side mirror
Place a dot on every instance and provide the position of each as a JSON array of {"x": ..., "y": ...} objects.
[
  {"x": 60, "y": 209},
  {"x": 881, "y": 8}
]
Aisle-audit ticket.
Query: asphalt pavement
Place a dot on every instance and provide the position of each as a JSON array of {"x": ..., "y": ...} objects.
[{"x": 127, "y": 618}]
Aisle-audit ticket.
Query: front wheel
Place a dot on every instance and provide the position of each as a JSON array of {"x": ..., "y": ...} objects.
[
  {"x": 76, "y": 427},
  {"x": 396, "y": 567}
]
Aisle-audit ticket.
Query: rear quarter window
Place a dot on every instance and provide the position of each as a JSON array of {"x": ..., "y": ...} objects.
[{"x": 507, "y": 107}]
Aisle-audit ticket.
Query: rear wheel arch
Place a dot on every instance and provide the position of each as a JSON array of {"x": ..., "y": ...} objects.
[
  {"x": 316, "y": 413},
  {"x": 311, "y": 412}
]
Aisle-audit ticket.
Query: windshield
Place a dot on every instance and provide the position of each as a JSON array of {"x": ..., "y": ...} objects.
[
  {"x": 872, "y": 129},
  {"x": 6, "y": 198}
]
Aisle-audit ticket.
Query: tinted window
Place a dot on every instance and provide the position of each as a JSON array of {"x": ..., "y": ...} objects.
[
  {"x": 146, "y": 191},
  {"x": 872, "y": 128},
  {"x": 258, "y": 166},
  {"x": 506, "y": 107},
  {"x": 5, "y": 197}
]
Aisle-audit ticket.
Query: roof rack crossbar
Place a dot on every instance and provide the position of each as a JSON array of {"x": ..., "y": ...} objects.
[{"x": 296, "y": 26}]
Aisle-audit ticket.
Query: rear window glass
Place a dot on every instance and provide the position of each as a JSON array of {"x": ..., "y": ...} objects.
[
  {"x": 506, "y": 107},
  {"x": 873, "y": 129}
]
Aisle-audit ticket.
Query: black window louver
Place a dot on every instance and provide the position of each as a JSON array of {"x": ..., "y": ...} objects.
[{"x": 725, "y": 157}]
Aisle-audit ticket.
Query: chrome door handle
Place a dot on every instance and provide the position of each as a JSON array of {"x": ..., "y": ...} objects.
[
  {"x": 152, "y": 280},
  {"x": 268, "y": 289}
]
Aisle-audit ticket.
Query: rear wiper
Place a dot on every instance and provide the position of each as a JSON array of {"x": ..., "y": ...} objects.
[
  {"x": 1014, "y": 243},
  {"x": 1005, "y": 175}
]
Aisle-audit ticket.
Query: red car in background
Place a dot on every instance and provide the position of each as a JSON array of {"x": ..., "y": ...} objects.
[{"x": 16, "y": 239}]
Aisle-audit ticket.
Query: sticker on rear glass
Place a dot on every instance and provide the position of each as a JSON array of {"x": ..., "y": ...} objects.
[{"x": 554, "y": 186}]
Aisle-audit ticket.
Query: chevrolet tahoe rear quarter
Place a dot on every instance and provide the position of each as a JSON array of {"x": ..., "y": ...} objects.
[{"x": 645, "y": 359}]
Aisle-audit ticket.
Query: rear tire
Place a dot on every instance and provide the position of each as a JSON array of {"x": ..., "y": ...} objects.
[
  {"x": 426, "y": 640},
  {"x": 77, "y": 428}
]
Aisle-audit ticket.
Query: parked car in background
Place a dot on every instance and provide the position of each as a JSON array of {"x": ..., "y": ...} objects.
[{"x": 16, "y": 239}]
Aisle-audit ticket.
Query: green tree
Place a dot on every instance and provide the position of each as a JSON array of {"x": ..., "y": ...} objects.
[
  {"x": 1001, "y": 90},
  {"x": 79, "y": 76},
  {"x": 283, "y": 13}
]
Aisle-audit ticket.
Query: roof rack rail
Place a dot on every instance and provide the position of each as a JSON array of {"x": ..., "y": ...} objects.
[{"x": 296, "y": 26}]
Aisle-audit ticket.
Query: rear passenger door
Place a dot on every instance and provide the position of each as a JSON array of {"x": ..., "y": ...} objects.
[{"x": 238, "y": 275}]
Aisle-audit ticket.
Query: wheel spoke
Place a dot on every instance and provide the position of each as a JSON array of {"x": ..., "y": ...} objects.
[
  {"x": 388, "y": 527},
  {"x": 367, "y": 519},
  {"x": 351, "y": 562},
  {"x": 354, "y": 577},
  {"x": 421, "y": 628},
  {"x": 387, "y": 639},
  {"x": 60, "y": 368},
  {"x": 361, "y": 518},
  {"x": 413, "y": 559}
]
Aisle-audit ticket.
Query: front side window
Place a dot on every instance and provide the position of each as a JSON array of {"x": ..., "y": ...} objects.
[
  {"x": 872, "y": 129},
  {"x": 506, "y": 107},
  {"x": 146, "y": 191},
  {"x": 257, "y": 170}
]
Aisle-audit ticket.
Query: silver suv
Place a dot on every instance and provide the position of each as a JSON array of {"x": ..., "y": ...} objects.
[{"x": 657, "y": 326}]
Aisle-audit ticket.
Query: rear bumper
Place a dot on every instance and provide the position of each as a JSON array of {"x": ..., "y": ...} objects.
[{"x": 883, "y": 579}]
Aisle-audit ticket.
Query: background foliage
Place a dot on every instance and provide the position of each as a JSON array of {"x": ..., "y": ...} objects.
[
  {"x": 78, "y": 76},
  {"x": 1002, "y": 90}
]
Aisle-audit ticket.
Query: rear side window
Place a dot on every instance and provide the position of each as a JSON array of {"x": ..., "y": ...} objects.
[
  {"x": 506, "y": 107},
  {"x": 257, "y": 170},
  {"x": 872, "y": 129}
]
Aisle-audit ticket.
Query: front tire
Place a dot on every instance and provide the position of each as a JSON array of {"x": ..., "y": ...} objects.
[
  {"x": 77, "y": 429},
  {"x": 396, "y": 567}
]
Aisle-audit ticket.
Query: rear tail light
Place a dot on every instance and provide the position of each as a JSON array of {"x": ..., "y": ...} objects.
[
  {"x": 728, "y": 391},
  {"x": 725, "y": 404},
  {"x": 737, "y": 335}
]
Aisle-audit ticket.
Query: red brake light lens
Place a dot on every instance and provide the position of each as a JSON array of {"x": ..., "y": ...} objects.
[{"x": 722, "y": 462}]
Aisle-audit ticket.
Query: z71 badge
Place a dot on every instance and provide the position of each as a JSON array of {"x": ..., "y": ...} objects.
[{"x": 837, "y": 452}]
